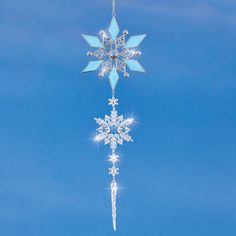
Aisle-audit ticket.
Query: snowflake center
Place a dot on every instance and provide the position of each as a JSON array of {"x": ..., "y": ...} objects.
[
  {"x": 113, "y": 129},
  {"x": 114, "y": 54}
]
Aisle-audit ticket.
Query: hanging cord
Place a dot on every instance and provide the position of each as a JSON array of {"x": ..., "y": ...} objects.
[
  {"x": 113, "y": 93},
  {"x": 113, "y": 7}
]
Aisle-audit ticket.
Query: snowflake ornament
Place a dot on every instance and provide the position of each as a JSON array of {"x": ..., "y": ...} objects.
[
  {"x": 113, "y": 129},
  {"x": 113, "y": 158},
  {"x": 113, "y": 171},
  {"x": 114, "y": 54}
]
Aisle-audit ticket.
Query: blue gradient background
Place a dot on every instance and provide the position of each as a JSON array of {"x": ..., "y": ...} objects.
[{"x": 176, "y": 179}]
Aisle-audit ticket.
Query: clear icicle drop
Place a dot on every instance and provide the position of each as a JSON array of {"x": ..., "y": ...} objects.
[{"x": 113, "y": 201}]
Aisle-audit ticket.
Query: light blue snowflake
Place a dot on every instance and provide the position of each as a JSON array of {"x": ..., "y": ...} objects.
[{"x": 114, "y": 54}]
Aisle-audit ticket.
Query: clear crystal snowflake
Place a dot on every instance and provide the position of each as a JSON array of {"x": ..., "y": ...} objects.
[
  {"x": 114, "y": 54},
  {"x": 113, "y": 171},
  {"x": 113, "y": 158},
  {"x": 113, "y": 129}
]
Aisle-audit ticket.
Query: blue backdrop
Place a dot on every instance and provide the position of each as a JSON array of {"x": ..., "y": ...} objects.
[{"x": 176, "y": 179}]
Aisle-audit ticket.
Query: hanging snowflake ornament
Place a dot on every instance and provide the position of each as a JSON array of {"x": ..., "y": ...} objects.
[
  {"x": 113, "y": 55},
  {"x": 113, "y": 130}
]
